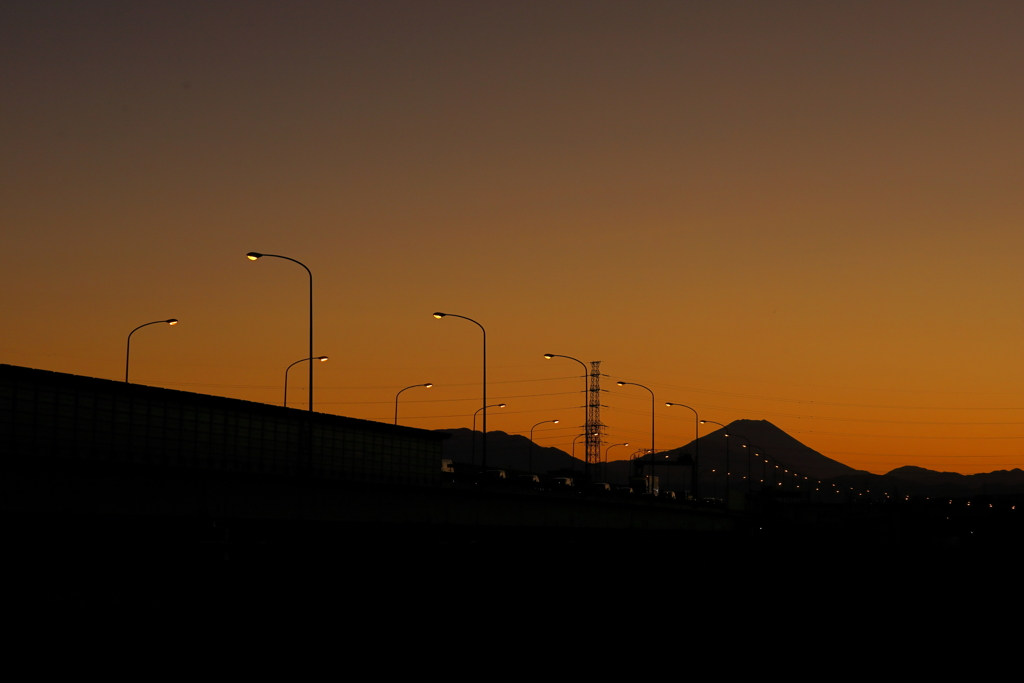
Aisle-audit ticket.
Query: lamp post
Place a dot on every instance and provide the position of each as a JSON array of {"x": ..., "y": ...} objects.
[
  {"x": 472, "y": 456},
  {"x": 750, "y": 455},
  {"x": 483, "y": 448},
  {"x": 252, "y": 256},
  {"x": 606, "y": 457},
  {"x": 529, "y": 467},
  {"x": 586, "y": 386},
  {"x": 622, "y": 384},
  {"x": 128, "y": 352},
  {"x": 427, "y": 385},
  {"x": 726, "y": 431},
  {"x": 581, "y": 436},
  {"x": 696, "y": 448},
  {"x": 763, "y": 456},
  {"x": 319, "y": 358}
]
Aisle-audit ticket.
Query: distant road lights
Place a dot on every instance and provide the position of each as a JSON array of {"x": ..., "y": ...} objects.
[
  {"x": 254, "y": 255},
  {"x": 750, "y": 456},
  {"x": 725, "y": 431},
  {"x": 128, "y": 351},
  {"x": 427, "y": 385},
  {"x": 319, "y": 358}
]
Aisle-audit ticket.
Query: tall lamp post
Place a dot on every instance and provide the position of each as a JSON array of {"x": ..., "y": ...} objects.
[
  {"x": 726, "y": 431},
  {"x": 483, "y": 448},
  {"x": 696, "y": 448},
  {"x": 581, "y": 436},
  {"x": 605, "y": 476},
  {"x": 622, "y": 384},
  {"x": 529, "y": 467},
  {"x": 319, "y": 358},
  {"x": 427, "y": 385},
  {"x": 472, "y": 456},
  {"x": 252, "y": 256},
  {"x": 128, "y": 352},
  {"x": 586, "y": 385}
]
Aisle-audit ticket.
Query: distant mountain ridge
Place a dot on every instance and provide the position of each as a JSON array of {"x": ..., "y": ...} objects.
[
  {"x": 929, "y": 482},
  {"x": 512, "y": 452},
  {"x": 507, "y": 451}
]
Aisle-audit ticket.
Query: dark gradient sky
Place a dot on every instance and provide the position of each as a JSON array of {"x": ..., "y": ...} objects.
[{"x": 806, "y": 212}]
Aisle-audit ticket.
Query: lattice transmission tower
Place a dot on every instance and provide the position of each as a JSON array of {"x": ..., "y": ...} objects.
[{"x": 594, "y": 426}]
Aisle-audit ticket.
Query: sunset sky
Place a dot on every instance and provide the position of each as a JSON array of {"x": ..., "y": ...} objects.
[{"x": 804, "y": 212}]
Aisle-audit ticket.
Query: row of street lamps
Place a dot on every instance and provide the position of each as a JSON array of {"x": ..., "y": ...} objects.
[{"x": 253, "y": 256}]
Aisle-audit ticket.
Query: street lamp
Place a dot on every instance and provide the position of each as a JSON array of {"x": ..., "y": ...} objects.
[
  {"x": 586, "y": 386},
  {"x": 726, "y": 431},
  {"x": 128, "y": 352},
  {"x": 606, "y": 457},
  {"x": 763, "y": 456},
  {"x": 622, "y": 384},
  {"x": 427, "y": 385},
  {"x": 581, "y": 436},
  {"x": 696, "y": 448},
  {"x": 529, "y": 467},
  {"x": 472, "y": 456},
  {"x": 750, "y": 455},
  {"x": 319, "y": 358},
  {"x": 252, "y": 256},
  {"x": 483, "y": 448}
]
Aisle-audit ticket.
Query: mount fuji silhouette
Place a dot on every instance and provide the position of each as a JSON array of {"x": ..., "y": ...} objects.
[{"x": 765, "y": 438}]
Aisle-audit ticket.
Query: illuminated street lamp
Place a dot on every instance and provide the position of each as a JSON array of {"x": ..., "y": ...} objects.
[
  {"x": 319, "y": 358},
  {"x": 622, "y": 384},
  {"x": 472, "y": 456},
  {"x": 427, "y": 385},
  {"x": 252, "y": 256},
  {"x": 696, "y": 447},
  {"x": 128, "y": 352},
  {"x": 529, "y": 467},
  {"x": 581, "y": 436},
  {"x": 605, "y": 475},
  {"x": 750, "y": 455},
  {"x": 586, "y": 387},
  {"x": 763, "y": 456},
  {"x": 726, "y": 432},
  {"x": 483, "y": 448}
]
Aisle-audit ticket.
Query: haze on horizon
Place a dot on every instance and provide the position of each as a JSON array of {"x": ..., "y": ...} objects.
[{"x": 803, "y": 212}]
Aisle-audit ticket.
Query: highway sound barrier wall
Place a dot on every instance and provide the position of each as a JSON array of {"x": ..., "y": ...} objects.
[{"x": 60, "y": 416}]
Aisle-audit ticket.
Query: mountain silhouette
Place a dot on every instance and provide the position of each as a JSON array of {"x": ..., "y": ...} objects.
[
  {"x": 921, "y": 481},
  {"x": 512, "y": 452},
  {"x": 508, "y": 452},
  {"x": 765, "y": 438}
]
